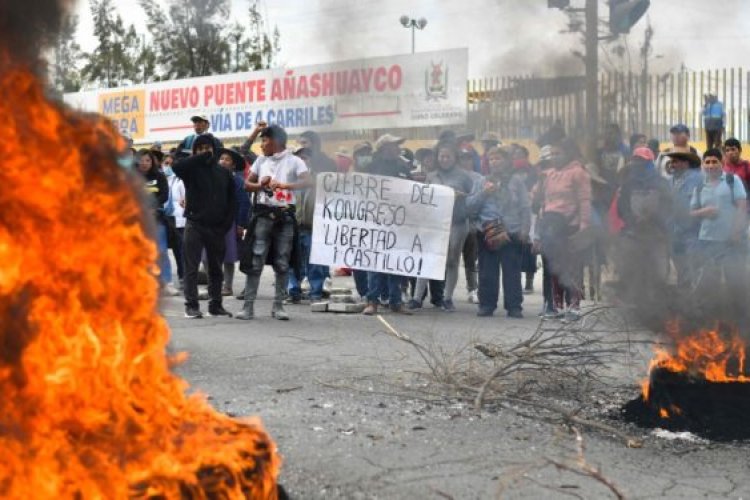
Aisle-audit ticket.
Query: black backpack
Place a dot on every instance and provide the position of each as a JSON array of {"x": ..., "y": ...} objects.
[{"x": 729, "y": 178}]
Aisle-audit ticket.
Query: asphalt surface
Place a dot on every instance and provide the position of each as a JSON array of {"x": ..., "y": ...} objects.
[{"x": 330, "y": 391}]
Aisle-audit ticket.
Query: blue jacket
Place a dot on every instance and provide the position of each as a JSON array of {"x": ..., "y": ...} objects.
[
  {"x": 244, "y": 207},
  {"x": 509, "y": 204}
]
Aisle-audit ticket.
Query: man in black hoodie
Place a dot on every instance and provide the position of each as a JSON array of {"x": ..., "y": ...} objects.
[
  {"x": 210, "y": 210},
  {"x": 319, "y": 161}
]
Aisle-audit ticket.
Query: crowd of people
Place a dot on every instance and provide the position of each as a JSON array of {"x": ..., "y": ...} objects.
[{"x": 643, "y": 215}]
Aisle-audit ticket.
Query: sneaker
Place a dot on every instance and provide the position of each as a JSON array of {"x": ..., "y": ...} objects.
[
  {"x": 448, "y": 306},
  {"x": 247, "y": 313},
  {"x": 552, "y": 314},
  {"x": 571, "y": 316},
  {"x": 280, "y": 314},
  {"x": 414, "y": 304},
  {"x": 515, "y": 314},
  {"x": 218, "y": 311},
  {"x": 305, "y": 285},
  {"x": 473, "y": 297},
  {"x": 327, "y": 285},
  {"x": 193, "y": 313},
  {"x": 227, "y": 292},
  {"x": 203, "y": 296},
  {"x": 169, "y": 291},
  {"x": 240, "y": 296},
  {"x": 485, "y": 313},
  {"x": 293, "y": 300},
  {"x": 401, "y": 309},
  {"x": 371, "y": 309}
]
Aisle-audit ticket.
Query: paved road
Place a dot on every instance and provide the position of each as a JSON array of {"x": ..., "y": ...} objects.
[{"x": 357, "y": 440}]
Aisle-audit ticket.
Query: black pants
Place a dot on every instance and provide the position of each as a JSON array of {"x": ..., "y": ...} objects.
[
  {"x": 177, "y": 251},
  {"x": 713, "y": 139},
  {"x": 507, "y": 258},
  {"x": 437, "y": 289},
  {"x": 198, "y": 237}
]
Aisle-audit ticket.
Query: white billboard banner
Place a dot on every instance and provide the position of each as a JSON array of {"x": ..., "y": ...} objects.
[
  {"x": 381, "y": 224},
  {"x": 416, "y": 90}
]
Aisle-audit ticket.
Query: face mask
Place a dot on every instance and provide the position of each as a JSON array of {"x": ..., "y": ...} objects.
[
  {"x": 168, "y": 171},
  {"x": 126, "y": 162},
  {"x": 363, "y": 161}
]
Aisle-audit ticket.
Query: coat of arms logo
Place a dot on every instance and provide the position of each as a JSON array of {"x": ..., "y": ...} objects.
[{"x": 436, "y": 81}]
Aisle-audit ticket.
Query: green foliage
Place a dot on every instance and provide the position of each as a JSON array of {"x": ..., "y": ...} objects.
[
  {"x": 188, "y": 38},
  {"x": 122, "y": 56},
  {"x": 191, "y": 38},
  {"x": 67, "y": 57}
]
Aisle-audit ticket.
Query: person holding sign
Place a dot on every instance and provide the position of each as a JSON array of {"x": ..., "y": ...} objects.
[
  {"x": 388, "y": 163},
  {"x": 273, "y": 178},
  {"x": 450, "y": 173},
  {"x": 504, "y": 224}
]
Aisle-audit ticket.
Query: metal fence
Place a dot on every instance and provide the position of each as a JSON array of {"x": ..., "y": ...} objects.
[{"x": 523, "y": 107}]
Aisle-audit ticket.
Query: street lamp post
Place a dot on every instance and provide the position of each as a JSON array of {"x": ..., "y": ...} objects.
[{"x": 414, "y": 24}]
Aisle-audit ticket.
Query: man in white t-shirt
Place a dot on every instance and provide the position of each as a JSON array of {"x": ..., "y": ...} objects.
[{"x": 273, "y": 177}]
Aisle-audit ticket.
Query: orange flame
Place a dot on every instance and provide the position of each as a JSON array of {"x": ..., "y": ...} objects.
[
  {"x": 90, "y": 408},
  {"x": 712, "y": 355}
]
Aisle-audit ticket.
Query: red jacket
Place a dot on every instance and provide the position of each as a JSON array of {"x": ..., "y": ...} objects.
[
  {"x": 741, "y": 170},
  {"x": 568, "y": 191}
]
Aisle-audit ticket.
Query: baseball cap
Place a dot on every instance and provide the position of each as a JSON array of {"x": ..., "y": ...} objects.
[
  {"x": 388, "y": 139},
  {"x": 199, "y": 118},
  {"x": 644, "y": 154}
]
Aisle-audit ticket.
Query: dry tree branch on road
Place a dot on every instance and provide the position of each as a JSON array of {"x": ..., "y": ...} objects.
[
  {"x": 555, "y": 356},
  {"x": 578, "y": 465}
]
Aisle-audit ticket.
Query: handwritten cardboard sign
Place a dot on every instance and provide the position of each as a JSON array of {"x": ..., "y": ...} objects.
[{"x": 381, "y": 224}]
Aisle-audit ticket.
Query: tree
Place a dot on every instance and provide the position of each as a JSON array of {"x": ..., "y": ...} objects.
[
  {"x": 113, "y": 62},
  {"x": 67, "y": 57},
  {"x": 262, "y": 50},
  {"x": 191, "y": 38}
]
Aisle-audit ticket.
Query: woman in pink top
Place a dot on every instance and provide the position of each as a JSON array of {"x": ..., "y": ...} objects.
[{"x": 566, "y": 211}]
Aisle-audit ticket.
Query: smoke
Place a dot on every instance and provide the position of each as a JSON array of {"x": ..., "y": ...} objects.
[{"x": 28, "y": 26}]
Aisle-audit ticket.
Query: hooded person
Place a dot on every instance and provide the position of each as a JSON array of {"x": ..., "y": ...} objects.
[
  {"x": 319, "y": 161},
  {"x": 210, "y": 210}
]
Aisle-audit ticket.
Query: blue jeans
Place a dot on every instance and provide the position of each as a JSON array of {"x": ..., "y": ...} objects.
[
  {"x": 315, "y": 274},
  {"x": 377, "y": 281},
  {"x": 508, "y": 258},
  {"x": 165, "y": 267},
  {"x": 361, "y": 282}
]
